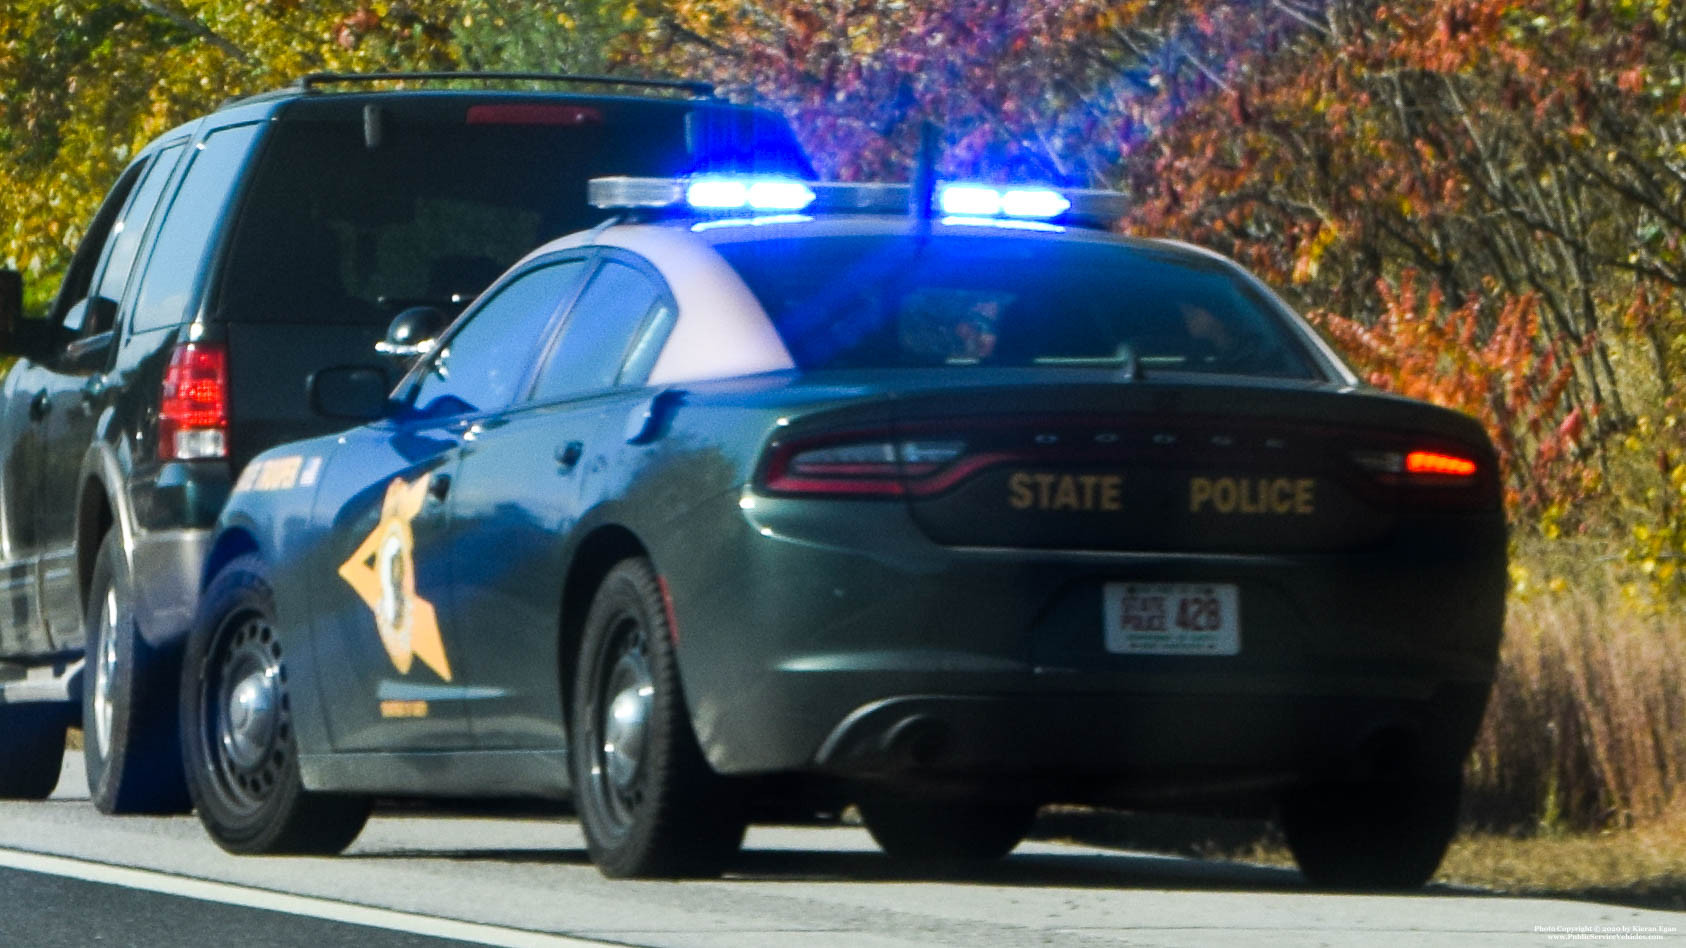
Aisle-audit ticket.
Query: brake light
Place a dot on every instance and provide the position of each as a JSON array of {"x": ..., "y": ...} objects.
[
  {"x": 867, "y": 465},
  {"x": 533, "y": 114},
  {"x": 1429, "y": 468},
  {"x": 1433, "y": 462},
  {"x": 193, "y": 409}
]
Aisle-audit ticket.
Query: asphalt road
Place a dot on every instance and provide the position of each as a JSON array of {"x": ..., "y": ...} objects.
[{"x": 71, "y": 877}]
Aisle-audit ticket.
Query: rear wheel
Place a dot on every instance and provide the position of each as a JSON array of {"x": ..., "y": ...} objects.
[
  {"x": 31, "y": 749},
  {"x": 1371, "y": 834},
  {"x": 130, "y": 742},
  {"x": 237, "y": 729},
  {"x": 945, "y": 830},
  {"x": 648, "y": 801}
]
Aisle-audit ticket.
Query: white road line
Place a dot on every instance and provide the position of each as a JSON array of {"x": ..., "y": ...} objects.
[{"x": 332, "y": 911}]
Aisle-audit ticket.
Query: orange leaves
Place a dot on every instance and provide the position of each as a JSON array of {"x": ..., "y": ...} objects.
[{"x": 1487, "y": 358}]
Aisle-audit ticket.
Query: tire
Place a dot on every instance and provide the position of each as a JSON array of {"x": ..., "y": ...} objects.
[
  {"x": 237, "y": 734},
  {"x": 660, "y": 810},
  {"x": 129, "y": 742},
  {"x": 32, "y": 750},
  {"x": 1374, "y": 835},
  {"x": 945, "y": 830}
]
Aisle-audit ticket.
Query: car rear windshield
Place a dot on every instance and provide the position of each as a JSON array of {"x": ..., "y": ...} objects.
[
  {"x": 336, "y": 231},
  {"x": 958, "y": 301}
]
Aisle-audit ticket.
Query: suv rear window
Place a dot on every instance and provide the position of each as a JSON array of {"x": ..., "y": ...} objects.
[
  {"x": 955, "y": 301},
  {"x": 334, "y": 231}
]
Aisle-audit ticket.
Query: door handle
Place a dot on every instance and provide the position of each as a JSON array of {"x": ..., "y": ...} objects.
[
  {"x": 39, "y": 405},
  {"x": 92, "y": 390},
  {"x": 439, "y": 487},
  {"x": 569, "y": 455}
]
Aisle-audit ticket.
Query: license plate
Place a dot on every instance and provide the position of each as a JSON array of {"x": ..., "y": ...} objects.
[{"x": 1172, "y": 618}]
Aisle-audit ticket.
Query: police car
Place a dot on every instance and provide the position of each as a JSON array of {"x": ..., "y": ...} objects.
[{"x": 769, "y": 494}]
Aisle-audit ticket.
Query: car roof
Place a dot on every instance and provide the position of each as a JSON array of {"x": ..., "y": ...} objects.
[
  {"x": 666, "y": 236},
  {"x": 723, "y": 324}
]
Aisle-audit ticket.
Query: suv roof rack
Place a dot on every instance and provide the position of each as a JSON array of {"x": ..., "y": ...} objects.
[{"x": 307, "y": 83}]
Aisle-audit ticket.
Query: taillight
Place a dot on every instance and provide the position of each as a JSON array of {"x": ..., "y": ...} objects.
[
  {"x": 1418, "y": 467},
  {"x": 193, "y": 411},
  {"x": 1433, "y": 462},
  {"x": 868, "y": 465}
]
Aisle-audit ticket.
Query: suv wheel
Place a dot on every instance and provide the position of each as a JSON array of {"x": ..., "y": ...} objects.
[
  {"x": 237, "y": 729},
  {"x": 648, "y": 801},
  {"x": 1381, "y": 834},
  {"x": 32, "y": 750},
  {"x": 128, "y": 701},
  {"x": 945, "y": 830}
]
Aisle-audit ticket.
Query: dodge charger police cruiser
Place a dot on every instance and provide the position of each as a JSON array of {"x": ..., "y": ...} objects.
[
  {"x": 767, "y": 492},
  {"x": 234, "y": 256}
]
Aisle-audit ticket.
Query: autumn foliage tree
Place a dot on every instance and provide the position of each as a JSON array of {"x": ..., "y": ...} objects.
[
  {"x": 83, "y": 83},
  {"x": 1481, "y": 200}
]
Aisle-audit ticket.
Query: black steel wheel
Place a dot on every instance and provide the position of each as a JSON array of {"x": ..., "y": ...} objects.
[
  {"x": 130, "y": 745},
  {"x": 920, "y": 830},
  {"x": 1364, "y": 835},
  {"x": 648, "y": 801},
  {"x": 237, "y": 729}
]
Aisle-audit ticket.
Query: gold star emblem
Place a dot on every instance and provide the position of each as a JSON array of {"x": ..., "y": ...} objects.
[{"x": 383, "y": 573}]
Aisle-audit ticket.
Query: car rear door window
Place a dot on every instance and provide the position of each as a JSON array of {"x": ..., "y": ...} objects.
[
  {"x": 126, "y": 234},
  {"x": 190, "y": 228},
  {"x": 482, "y": 364},
  {"x": 614, "y": 307}
]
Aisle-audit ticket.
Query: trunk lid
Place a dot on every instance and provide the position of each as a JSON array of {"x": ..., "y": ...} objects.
[{"x": 1162, "y": 466}]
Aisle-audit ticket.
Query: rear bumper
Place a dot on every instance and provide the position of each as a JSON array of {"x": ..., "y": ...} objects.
[
  {"x": 883, "y": 656},
  {"x": 1146, "y": 743},
  {"x": 167, "y": 566}
]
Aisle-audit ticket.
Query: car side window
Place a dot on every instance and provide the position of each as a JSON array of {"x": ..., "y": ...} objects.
[
  {"x": 70, "y": 308},
  {"x": 482, "y": 364},
  {"x": 190, "y": 228},
  {"x": 126, "y": 234},
  {"x": 600, "y": 328}
]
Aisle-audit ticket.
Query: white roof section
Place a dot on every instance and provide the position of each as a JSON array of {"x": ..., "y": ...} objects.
[{"x": 722, "y": 331}]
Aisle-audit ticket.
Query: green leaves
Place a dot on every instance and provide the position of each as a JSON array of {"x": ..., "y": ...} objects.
[{"x": 85, "y": 83}]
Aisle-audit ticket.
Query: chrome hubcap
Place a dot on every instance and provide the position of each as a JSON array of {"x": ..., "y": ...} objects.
[
  {"x": 623, "y": 730},
  {"x": 105, "y": 672},
  {"x": 623, "y": 707},
  {"x": 253, "y": 711}
]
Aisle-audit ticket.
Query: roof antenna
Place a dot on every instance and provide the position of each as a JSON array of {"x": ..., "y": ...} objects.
[{"x": 922, "y": 196}]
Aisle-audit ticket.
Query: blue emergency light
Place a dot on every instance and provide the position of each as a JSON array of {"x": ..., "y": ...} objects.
[
  {"x": 982, "y": 200},
  {"x": 752, "y": 194},
  {"x": 730, "y": 194}
]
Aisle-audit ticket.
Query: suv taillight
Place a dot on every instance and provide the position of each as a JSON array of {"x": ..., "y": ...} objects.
[{"x": 193, "y": 411}]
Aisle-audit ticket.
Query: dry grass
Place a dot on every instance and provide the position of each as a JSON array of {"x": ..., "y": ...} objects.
[
  {"x": 1643, "y": 866},
  {"x": 1586, "y": 730}
]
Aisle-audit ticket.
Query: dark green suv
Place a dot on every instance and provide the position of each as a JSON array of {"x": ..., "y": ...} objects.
[{"x": 234, "y": 258}]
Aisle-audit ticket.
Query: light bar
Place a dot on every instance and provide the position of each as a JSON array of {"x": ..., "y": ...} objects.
[
  {"x": 982, "y": 200},
  {"x": 969, "y": 200},
  {"x": 713, "y": 194},
  {"x": 1036, "y": 204},
  {"x": 754, "y": 194}
]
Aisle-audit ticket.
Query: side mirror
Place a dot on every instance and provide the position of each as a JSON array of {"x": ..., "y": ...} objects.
[
  {"x": 349, "y": 392},
  {"x": 11, "y": 313},
  {"x": 413, "y": 332}
]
